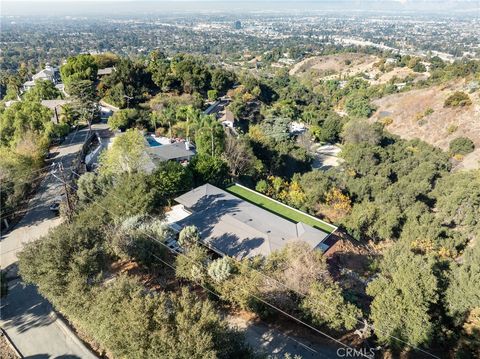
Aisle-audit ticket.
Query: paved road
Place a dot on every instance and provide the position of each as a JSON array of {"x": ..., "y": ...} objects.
[
  {"x": 39, "y": 219},
  {"x": 35, "y": 329},
  {"x": 275, "y": 342},
  {"x": 25, "y": 315}
]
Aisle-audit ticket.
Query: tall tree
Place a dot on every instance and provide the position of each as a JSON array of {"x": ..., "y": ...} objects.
[
  {"x": 78, "y": 68},
  {"x": 85, "y": 100},
  {"x": 209, "y": 136},
  {"x": 463, "y": 292},
  {"x": 127, "y": 154},
  {"x": 403, "y": 295}
]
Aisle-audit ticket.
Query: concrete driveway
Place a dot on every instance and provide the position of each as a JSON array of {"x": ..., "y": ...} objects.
[{"x": 25, "y": 315}]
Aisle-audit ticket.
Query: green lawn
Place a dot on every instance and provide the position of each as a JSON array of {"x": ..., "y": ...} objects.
[{"x": 278, "y": 208}]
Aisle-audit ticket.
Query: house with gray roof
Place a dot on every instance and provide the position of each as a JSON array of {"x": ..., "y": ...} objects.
[
  {"x": 156, "y": 152},
  {"x": 56, "y": 107},
  {"x": 237, "y": 228},
  {"x": 177, "y": 151},
  {"x": 105, "y": 71}
]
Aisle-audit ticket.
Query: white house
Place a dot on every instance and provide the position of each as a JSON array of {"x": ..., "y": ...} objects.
[
  {"x": 49, "y": 73},
  {"x": 227, "y": 119},
  {"x": 296, "y": 127}
]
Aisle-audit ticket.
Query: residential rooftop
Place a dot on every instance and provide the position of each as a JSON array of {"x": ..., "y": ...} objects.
[
  {"x": 240, "y": 229},
  {"x": 172, "y": 151}
]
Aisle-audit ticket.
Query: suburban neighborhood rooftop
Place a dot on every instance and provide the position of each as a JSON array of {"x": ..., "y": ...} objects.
[
  {"x": 241, "y": 229},
  {"x": 173, "y": 151}
]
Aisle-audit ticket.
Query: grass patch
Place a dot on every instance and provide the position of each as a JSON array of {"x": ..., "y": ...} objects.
[{"x": 279, "y": 209}]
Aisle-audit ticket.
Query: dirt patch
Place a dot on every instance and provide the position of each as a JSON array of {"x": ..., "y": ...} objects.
[
  {"x": 349, "y": 65},
  {"x": 6, "y": 349},
  {"x": 350, "y": 264},
  {"x": 345, "y": 64},
  {"x": 421, "y": 114}
]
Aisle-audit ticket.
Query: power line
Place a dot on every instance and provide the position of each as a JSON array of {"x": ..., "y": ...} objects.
[
  {"x": 291, "y": 289},
  {"x": 199, "y": 263},
  {"x": 219, "y": 297},
  {"x": 34, "y": 171}
]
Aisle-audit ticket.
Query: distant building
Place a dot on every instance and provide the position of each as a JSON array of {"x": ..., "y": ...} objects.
[
  {"x": 227, "y": 119},
  {"x": 10, "y": 103},
  {"x": 296, "y": 127},
  {"x": 473, "y": 86},
  {"x": 105, "y": 71},
  {"x": 105, "y": 112},
  {"x": 237, "y": 25},
  {"x": 49, "y": 73}
]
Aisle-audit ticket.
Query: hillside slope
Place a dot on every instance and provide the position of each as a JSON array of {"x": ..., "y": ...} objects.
[
  {"x": 351, "y": 64},
  {"x": 413, "y": 117}
]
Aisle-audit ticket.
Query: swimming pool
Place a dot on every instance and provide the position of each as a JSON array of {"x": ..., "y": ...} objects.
[{"x": 152, "y": 142}]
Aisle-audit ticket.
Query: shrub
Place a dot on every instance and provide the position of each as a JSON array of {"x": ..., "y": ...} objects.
[
  {"x": 428, "y": 112},
  {"x": 386, "y": 121},
  {"x": 123, "y": 119},
  {"x": 457, "y": 99},
  {"x": 212, "y": 95},
  {"x": 262, "y": 186},
  {"x": 461, "y": 146},
  {"x": 421, "y": 115},
  {"x": 359, "y": 106},
  {"x": 452, "y": 128}
]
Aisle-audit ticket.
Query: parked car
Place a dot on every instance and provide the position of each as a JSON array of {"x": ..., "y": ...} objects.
[
  {"x": 55, "y": 206},
  {"x": 57, "y": 140}
]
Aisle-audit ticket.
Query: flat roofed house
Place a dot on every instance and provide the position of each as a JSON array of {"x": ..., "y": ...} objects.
[
  {"x": 181, "y": 152},
  {"x": 237, "y": 228},
  {"x": 177, "y": 151}
]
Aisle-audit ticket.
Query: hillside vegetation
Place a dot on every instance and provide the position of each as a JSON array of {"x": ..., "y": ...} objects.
[
  {"x": 346, "y": 65},
  {"x": 422, "y": 113}
]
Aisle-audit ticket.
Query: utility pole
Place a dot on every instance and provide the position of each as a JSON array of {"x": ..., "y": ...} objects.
[
  {"x": 212, "y": 139},
  {"x": 67, "y": 192},
  {"x": 128, "y": 100}
]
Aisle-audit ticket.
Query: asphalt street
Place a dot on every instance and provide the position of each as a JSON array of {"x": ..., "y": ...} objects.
[{"x": 25, "y": 315}]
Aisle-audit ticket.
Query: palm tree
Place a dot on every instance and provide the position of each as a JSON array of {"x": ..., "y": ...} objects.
[
  {"x": 209, "y": 124},
  {"x": 165, "y": 118},
  {"x": 192, "y": 115},
  {"x": 68, "y": 114}
]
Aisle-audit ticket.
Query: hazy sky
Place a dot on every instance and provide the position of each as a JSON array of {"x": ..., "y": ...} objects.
[{"x": 152, "y": 7}]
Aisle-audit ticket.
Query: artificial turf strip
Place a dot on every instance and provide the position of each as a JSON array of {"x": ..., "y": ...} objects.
[{"x": 278, "y": 208}]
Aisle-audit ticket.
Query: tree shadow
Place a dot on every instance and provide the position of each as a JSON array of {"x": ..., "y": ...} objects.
[
  {"x": 231, "y": 245},
  {"x": 23, "y": 307}
]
